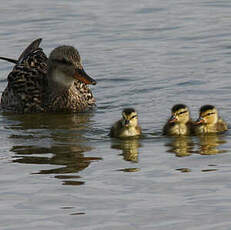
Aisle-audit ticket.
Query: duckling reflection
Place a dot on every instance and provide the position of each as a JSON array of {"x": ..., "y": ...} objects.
[
  {"x": 182, "y": 146},
  {"x": 54, "y": 139},
  {"x": 129, "y": 148},
  {"x": 210, "y": 144},
  {"x": 209, "y": 121}
]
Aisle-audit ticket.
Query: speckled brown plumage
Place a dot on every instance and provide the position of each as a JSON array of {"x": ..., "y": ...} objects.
[
  {"x": 28, "y": 92},
  {"x": 78, "y": 98}
]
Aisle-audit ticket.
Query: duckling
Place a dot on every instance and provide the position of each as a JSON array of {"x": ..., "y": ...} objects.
[
  {"x": 180, "y": 123},
  {"x": 41, "y": 84},
  {"x": 127, "y": 126},
  {"x": 209, "y": 121}
]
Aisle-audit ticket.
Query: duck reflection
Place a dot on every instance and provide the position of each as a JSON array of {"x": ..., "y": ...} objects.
[
  {"x": 70, "y": 158},
  {"x": 180, "y": 145},
  {"x": 52, "y": 139},
  {"x": 129, "y": 147},
  {"x": 50, "y": 121},
  {"x": 210, "y": 144}
]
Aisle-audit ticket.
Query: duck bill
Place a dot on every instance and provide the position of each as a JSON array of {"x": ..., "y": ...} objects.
[
  {"x": 200, "y": 120},
  {"x": 126, "y": 123},
  {"x": 172, "y": 119},
  {"x": 82, "y": 76}
]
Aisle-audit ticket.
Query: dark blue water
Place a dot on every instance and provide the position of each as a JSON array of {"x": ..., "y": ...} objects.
[{"x": 64, "y": 172}]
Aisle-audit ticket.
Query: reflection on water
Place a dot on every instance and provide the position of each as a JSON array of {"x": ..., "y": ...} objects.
[
  {"x": 210, "y": 144},
  {"x": 129, "y": 148},
  {"x": 208, "y": 170},
  {"x": 56, "y": 139},
  {"x": 204, "y": 145},
  {"x": 129, "y": 170},
  {"x": 70, "y": 157},
  {"x": 48, "y": 121},
  {"x": 184, "y": 170},
  {"x": 182, "y": 146}
]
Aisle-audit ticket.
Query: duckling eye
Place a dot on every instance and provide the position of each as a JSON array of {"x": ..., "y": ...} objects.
[
  {"x": 208, "y": 114},
  {"x": 133, "y": 116},
  {"x": 182, "y": 112}
]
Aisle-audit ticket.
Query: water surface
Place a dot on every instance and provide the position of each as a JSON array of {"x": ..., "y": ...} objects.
[{"x": 63, "y": 171}]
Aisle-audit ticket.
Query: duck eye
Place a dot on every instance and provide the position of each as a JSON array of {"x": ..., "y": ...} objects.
[
  {"x": 63, "y": 61},
  {"x": 208, "y": 114},
  {"x": 182, "y": 112},
  {"x": 133, "y": 116}
]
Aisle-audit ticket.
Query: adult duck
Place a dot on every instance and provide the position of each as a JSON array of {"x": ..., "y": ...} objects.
[{"x": 40, "y": 84}]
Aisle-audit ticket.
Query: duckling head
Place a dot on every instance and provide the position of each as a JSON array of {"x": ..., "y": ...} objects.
[
  {"x": 129, "y": 118},
  {"x": 65, "y": 66},
  {"x": 208, "y": 115},
  {"x": 180, "y": 114}
]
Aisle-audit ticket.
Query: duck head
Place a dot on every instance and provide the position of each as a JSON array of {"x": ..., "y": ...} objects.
[
  {"x": 129, "y": 118},
  {"x": 208, "y": 115},
  {"x": 65, "y": 66},
  {"x": 180, "y": 114}
]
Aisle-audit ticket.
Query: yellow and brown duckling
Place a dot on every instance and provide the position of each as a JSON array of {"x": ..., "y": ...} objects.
[
  {"x": 41, "y": 84},
  {"x": 180, "y": 123},
  {"x": 127, "y": 126},
  {"x": 209, "y": 121}
]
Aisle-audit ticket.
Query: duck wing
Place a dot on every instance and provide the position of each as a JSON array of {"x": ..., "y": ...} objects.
[
  {"x": 221, "y": 125},
  {"x": 30, "y": 49},
  {"x": 27, "y": 81}
]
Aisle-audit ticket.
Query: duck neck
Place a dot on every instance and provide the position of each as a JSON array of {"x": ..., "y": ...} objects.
[{"x": 58, "y": 81}]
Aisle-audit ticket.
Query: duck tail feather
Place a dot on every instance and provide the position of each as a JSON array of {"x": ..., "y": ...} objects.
[{"x": 9, "y": 60}]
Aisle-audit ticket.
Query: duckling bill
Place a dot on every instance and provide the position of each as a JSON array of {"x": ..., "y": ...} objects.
[
  {"x": 127, "y": 126},
  {"x": 180, "y": 123},
  {"x": 209, "y": 121},
  {"x": 40, "y": 84}
]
